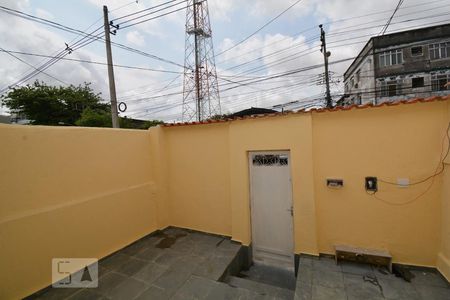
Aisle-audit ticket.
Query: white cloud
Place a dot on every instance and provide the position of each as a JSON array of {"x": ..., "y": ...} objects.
[
  {"x": 282, "y": 52},
  {"x": 135, "y": 38},
  {"x": 221, "y": 10},
  {"x": 42, "y": 13}
]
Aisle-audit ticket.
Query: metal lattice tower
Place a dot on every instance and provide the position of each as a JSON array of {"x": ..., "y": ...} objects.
[{"x": 201, "y": 99}]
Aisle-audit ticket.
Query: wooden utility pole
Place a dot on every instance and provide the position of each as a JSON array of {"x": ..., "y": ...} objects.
[
  {"x": 112, "y": 84},
  {"x": 326, "y": 54}
]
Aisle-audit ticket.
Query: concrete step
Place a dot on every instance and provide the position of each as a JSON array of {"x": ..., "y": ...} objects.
[
  {"x": 276, "y": 276},
  {"x": 260, "y": 288}
]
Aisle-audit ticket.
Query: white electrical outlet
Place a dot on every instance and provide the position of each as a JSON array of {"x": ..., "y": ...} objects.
[{"x": 403, "y": 182}]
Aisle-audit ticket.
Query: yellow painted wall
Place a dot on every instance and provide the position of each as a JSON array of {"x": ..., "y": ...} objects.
[
  {"x": 443, "y": 261},
  {"x": 198, "y": 178},
  {"x": 80, "y": 192},
  {"x": 395, "y": 142},
  {"x": 404, "y": 142},
  {"x": 159, "y": 161},
  {"x": 69, "y": 192}
]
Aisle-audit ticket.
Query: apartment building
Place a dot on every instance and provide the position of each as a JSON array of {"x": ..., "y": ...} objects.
[{"x": 402, "y": 65}]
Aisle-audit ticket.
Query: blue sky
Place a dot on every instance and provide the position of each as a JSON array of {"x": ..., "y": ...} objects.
[{"x": 231, "y": 20}]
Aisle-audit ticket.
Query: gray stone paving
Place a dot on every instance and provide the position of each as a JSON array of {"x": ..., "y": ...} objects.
[
  {"x": 189, "y": 268},
  {"x": 320, "y": 278},
  {"x": 181, "y": 264}
]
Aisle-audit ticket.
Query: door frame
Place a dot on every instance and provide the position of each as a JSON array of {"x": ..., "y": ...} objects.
[{"x": 287, "y": 152}]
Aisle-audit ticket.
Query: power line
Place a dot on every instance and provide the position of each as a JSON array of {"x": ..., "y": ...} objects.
[
  {"x": 304, "y": 44},
  {"x": 30, "y": 65},
  {"x": 76, "y": 31},
  {"x": 125, "y": 5},
  {"x": 338, "y": 21},
  {"x": 157, "y": 17},
  {"x": 150, "y": 13},
  {"x": 390, "y": 19},
  {"x": 261, "y": 28},
  {"x": 51, "y": 62},
  {"x": 91, "y": 62},
  {"x": 309, "y": 51},
  {"x": 144, "y": 10}
]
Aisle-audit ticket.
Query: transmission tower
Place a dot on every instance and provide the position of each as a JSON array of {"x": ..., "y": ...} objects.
[{"x": 201, "y": 98}]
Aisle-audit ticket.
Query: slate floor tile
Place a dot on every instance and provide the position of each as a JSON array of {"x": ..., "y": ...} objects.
[
  {"x": 306, "y": 260},
  {"x": 194, "y": 288},
  {"x": 435, "y": 293},
  {"x": 356, "y": 268},
  {"x": 153, "y": 293},
  {"x": 150, "y": 254},
  {"x": 250, "y": 295},
  {"x": 169, "y": 257},
  {"x": 326, "y": 264},
  {"x": 305, "y": 275},
  {"x": 150, "y": 272},
  {"x": 130, "y": 288},
  {"x": 303, "y": 292},
  {"x": 171, "y": 280},
  {"x": 114, "y": 261},
  {"x": 87, "y": 294},
  {"x": 326, "y": 293},
  {"x": 212, "y": 268},
  {"x": 328, "y": 279},
  {"x": 132, "y": 266},
  {"x": 396, "y": 288},
  {"x": 224, "y": 292},
  {"x": 184, "y": 245},
  {"x": 357, "y": 288},
  {"x": 189, "y": 263},
  {"x": 428, "y": 278},
  {"x": 108, "y": 283},
  {"x": 55, "y": 294}
]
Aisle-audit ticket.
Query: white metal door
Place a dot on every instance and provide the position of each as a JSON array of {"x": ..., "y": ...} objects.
[{"x": 271, "y": 208}]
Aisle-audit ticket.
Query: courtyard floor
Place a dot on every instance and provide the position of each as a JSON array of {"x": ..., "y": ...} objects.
[{"x": 182, "y": 264}]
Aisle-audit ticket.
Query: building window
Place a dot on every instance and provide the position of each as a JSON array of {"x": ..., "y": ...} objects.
[
  {"x": 352, "y": 82},
  {"x": 439, "y": 50},
  {"x": 358, "y": 99},
  {"x": 417, "y": 51},
  {"x": 390, "y": 58},
  {"x": 418, "y": 82},
  {"x": 439, "y": 82},
  {"x": 358, "y": 76},
  {"x": 389, "y": 88}
]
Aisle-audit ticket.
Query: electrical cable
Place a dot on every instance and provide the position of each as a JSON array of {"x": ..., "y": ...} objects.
[
  {"x": 30, "y": 65},
  {"x": 390, "y": 19},
  {"x": 433, "y": 177},
  {"x": 261, "y": 28},
  {"x": 441, "y": 164},
  {"x": 90, "y": 62},
  {"x": 151, "y": 13},
  {"x": 143, "y": 10},
  {"x": 153, "y": 18}
]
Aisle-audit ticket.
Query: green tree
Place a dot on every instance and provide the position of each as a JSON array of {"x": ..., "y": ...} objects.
[
  {"x": 50, "y": 105},
  {"x": 94, "y": 118},
  {"x": 72, "y": 105},
  {"x": 138, "y": 124}
]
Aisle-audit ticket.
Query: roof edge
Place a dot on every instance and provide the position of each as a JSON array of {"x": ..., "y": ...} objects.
[{"x": 315, "y": 110}]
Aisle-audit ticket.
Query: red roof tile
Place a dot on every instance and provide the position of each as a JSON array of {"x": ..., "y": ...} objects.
[{"x": 317, "y": 110}]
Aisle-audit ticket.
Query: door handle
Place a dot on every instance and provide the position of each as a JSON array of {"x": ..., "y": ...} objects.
[{"x": 291, "y": 210}]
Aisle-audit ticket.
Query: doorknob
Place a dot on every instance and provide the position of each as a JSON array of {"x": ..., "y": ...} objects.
[{"x": 291, "y": 210}]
